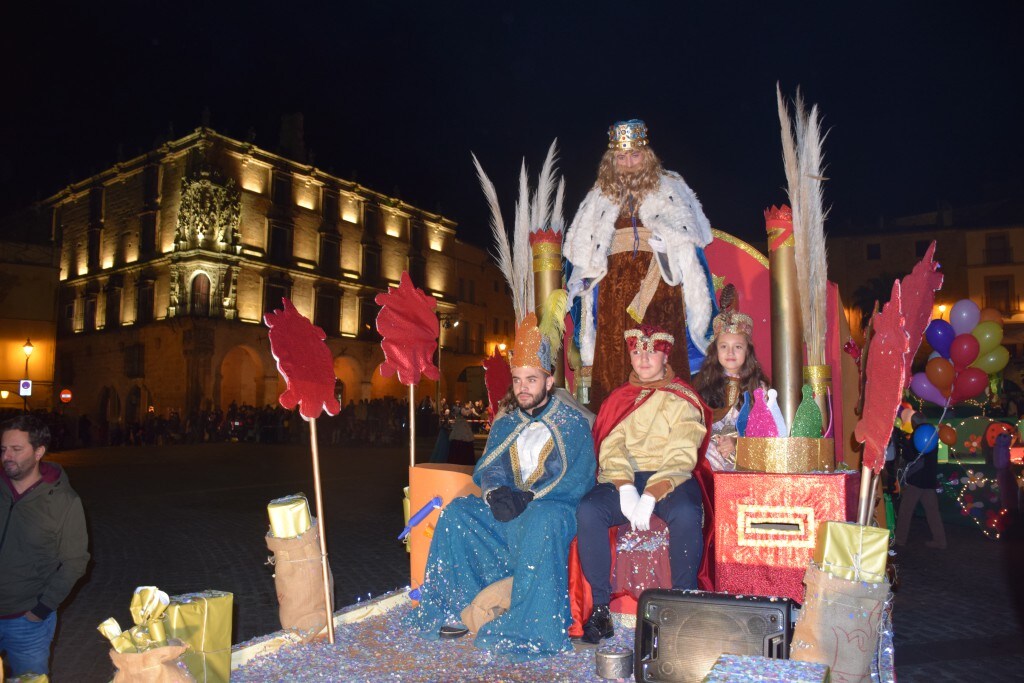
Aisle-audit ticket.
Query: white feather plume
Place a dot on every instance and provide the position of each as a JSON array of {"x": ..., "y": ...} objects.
[
  {"x": 802, "y": 158},
  {"x": 557, "y": 214},
  {"x": 522, "y": 257},
  {"x": 502, "y": 248}
]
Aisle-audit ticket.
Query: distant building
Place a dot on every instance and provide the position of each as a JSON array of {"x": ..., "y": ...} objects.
[
  {"x": 980, "y": 249},
  {"x": 28, "y": 321},
  {"x": 167, "y": 263}
]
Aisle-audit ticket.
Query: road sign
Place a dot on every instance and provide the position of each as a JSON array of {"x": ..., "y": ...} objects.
[
  {"x": 65, "y": 396},
  {"x": 25, "y": 387}
]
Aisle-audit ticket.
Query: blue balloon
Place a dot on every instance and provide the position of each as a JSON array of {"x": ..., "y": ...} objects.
[
  {"x": 940, "y": 335},
  {"x": 926, "y": 438}
]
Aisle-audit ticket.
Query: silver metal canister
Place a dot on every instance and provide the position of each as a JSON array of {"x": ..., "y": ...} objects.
[{"x": 614, "y": 662}]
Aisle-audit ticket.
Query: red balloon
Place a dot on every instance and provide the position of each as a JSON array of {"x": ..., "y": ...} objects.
[
  {"x": 940, "y": 373},
  {"x": 964, "y": 350},
  {"x": 947, "y": 435},
  {"x": 969, "y": 383}
]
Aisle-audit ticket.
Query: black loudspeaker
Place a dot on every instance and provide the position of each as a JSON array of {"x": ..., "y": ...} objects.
[{"x": 680, "y": 634}]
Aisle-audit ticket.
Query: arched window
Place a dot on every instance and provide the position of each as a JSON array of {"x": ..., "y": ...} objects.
[{"x": 200, "y": 302}]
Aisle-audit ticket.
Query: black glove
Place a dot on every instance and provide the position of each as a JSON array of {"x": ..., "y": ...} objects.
[{"x": 507, "y": 503}]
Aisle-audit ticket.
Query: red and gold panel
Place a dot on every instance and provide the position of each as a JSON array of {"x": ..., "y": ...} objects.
[{"x": 767, "y": 525}]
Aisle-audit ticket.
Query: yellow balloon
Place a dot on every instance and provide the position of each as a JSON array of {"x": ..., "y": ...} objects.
[
  {"x": 993, "y": 361},
  {"x": 989, "y": 335},
  {"x": 907, "y": 427}
]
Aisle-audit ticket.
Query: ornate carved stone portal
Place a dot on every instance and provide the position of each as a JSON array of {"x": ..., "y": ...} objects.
[{"x": 208, "y": 213}]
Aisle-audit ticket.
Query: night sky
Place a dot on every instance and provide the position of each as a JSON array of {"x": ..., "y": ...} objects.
[{"x": 923, "y": 99}]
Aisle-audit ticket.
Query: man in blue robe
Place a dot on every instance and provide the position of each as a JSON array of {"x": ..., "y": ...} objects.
[{"x": 538, "y": 463}]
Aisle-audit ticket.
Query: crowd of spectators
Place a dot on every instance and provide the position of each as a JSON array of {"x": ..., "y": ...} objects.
[{"x": 374, "y": 422}]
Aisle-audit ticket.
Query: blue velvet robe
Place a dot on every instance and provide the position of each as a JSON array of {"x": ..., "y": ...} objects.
[{"x": 471, "y": 550}]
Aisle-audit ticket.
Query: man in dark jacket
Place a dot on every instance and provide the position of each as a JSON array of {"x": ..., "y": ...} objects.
[{"x": 43, "y": 544}]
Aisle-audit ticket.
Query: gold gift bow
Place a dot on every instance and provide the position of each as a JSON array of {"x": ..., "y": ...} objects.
[{"x": 147, "y": 609}]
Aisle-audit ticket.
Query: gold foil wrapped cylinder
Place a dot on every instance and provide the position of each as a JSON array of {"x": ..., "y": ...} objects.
[
  {"x": 289, "y": 516},
  {"x": 787, "y": 330},
  {"x": 120, "y": 640},
  {"x": 852, "y": 551},
  {"x": 546, "y": 246},
  {"x": 785, "y": 455},
  {"x": 203, "y": 622},
  {"x": 147, "y": 609},
  {"x": 820, "y": 379}
]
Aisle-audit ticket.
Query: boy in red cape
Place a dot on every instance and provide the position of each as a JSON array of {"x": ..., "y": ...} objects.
[{"x": 652, "y": 435}]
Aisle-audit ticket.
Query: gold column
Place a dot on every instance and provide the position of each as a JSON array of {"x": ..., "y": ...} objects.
[
  {"x": 546, "y": 246},
  {"x": 787, "y": 331}
]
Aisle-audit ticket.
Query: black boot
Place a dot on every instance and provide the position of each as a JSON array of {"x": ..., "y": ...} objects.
[
  {"x": 599, "y": 626},
  {"x": 452, "y": 632}
]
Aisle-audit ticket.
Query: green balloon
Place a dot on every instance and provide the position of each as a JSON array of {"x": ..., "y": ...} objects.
[
  {"x": 989, "y": 335},
  {"x": 993, "y": 361}
]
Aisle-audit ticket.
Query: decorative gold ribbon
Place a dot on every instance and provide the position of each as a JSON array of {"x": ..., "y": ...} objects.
[
  {"x": 547, "y": 256},
  {"x": 624, "y": 242},
  {"x": 147, "y": 609}
]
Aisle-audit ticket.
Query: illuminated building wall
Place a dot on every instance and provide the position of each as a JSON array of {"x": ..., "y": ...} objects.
[{"x": 168, "y": 262}]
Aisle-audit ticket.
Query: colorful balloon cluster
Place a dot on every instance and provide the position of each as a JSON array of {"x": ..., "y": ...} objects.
[{"x": 967, "y": 350}]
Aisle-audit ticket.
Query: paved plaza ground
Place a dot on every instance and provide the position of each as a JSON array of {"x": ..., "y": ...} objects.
[{"x": 191, "y": 518}]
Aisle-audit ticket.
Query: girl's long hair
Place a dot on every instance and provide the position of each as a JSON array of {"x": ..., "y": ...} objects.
[{"x": 711, "y": 381}]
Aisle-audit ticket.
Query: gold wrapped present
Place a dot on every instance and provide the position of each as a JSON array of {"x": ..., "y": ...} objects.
[
  {"x": 147, "y": 609},
  {"x": 203, "y": 622},
  {"x": 289, "y": 516},
  {"x": 785, "y": 455},
  {"x": 851, "y": 551}
]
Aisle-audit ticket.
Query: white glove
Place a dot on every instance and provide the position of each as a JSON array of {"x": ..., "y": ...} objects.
[
  {"x": 657, "y": 244},
  {"x": 574, "y": 287},
  {"x": 628, "y": 498},
  {"x": 640, "y": 520}
]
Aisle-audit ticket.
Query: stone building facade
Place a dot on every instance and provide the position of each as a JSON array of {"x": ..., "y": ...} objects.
[{"x": 168, "y": 262}]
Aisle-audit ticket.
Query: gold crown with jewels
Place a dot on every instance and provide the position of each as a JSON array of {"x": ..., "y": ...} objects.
[{"x": 626, "y": 135}]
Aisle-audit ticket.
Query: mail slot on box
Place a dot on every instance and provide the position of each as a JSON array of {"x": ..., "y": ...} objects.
[{"x": 766, "y": 527}]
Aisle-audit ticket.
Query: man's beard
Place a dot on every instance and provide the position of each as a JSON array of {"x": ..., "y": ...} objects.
[
  {"x": 533, "y": 401},
  {"x": 635, "y": 184}
]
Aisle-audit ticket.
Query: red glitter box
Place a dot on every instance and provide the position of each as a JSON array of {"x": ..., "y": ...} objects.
[{"x": 766, "y": 526}]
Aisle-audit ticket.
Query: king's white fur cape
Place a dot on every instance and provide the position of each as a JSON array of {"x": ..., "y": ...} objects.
[{"x": 672, "y": 213}]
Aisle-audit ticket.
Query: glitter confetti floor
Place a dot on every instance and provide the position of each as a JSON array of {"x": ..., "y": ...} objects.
[{"x": 377, "y": 649}]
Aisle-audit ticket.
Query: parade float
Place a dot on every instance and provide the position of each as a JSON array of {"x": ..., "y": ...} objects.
[{"x": 798, "y": 586}]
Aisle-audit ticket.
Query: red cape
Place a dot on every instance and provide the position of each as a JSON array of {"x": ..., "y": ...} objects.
[{"x": 614, "y": 409}]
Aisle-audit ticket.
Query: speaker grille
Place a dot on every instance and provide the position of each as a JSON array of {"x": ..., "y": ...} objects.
[{"x": 680, "y": 635}]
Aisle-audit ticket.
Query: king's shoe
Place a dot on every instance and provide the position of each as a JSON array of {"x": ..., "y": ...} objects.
[
  {"x": 452, "y": 632},
  {"x": 599, "y": 626}
]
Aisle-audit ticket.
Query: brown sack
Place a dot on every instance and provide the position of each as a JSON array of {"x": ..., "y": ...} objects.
[
  {"x": 488, "y": 605},
  {"x": 158, "y": 665},
  {"x": 839, "y": 624},
  {"x": 298, "y": 579}
]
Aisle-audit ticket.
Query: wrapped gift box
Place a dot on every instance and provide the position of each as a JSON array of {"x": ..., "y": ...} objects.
[
  {"x": 289, "y": 516},
  {"x": 766, "y": 527},
  {"x": 852, "y": 552},
  {"x": 789, "y": 455},
  {"x": 752, "y": 669},
  {"x": 203, "y": 622}
]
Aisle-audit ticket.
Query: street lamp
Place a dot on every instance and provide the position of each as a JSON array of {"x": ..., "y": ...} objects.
[
  {"x": 448, "y": 321},
  {"x": 28, "y": 349}
]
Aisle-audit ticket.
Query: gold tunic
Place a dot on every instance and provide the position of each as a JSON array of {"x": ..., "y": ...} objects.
[{"x": 663, "y": 436}]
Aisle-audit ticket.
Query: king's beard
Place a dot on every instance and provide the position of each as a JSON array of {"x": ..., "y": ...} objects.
[
  {"x": 634, "y": 185},
  {"x": 625, "y": 185}
]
